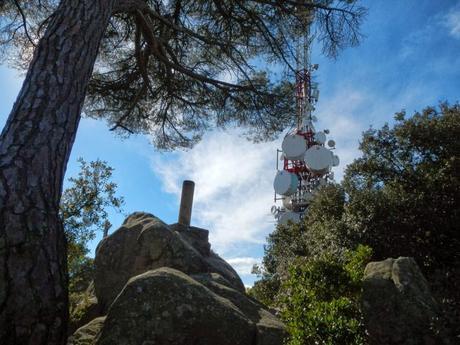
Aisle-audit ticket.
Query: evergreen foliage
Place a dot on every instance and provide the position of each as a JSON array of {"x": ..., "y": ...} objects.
[
  {"x": 174, "y": 68},
  {"x": 83, "y": 210},
  {"x": 404, "y": 192},
  {"x": 321, "y": 299}
]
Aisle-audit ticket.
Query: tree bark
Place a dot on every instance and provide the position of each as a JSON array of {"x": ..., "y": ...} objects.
[{"x": 34, "y": 149}]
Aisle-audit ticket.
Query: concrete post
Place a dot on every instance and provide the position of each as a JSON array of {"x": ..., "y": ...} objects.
[{"x": 186, "y": 203}]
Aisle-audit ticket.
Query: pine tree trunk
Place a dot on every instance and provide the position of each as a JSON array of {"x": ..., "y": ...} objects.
[{"x": 34, "y": 149}]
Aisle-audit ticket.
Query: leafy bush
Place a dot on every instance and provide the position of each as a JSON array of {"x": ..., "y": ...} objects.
[{"x": 321, "y": 299}]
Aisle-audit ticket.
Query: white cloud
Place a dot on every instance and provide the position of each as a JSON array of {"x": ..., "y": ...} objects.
[
  {"x": 233, "y": 187},
  {"x": 418, "y": 41},
  {"x": 452, "y": 21},
  {"x": 414, "y": 41},
  {"x": 353, "y": 109},
  {"x": 244, "y": 265},
  {"x": 340, "y": 114}
]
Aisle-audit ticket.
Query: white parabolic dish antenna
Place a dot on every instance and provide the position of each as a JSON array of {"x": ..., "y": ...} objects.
[
  {"x": 289, "y": 216},
  {"x": 335, "y": 160},
  {"x": 285, "y": 183},
  {"x": 294, "y": 146},
  {"x": 318, "y": 159},
  {"x": 287, "y": 203},
  {"x": 320, "y": 137}
]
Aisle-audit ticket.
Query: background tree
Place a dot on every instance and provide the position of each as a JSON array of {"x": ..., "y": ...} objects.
[
  {"x": 83, "y": 210},
  {"x": 160, "y": 67},
  {"x": 401, "y": 198},
  {"x": 404, "y": 197}
]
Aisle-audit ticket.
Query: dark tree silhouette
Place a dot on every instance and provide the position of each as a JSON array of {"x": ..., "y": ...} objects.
[{"x": 168, "y": 68}]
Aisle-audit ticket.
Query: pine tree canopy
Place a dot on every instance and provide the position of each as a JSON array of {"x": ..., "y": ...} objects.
[{"x": 172, "y": 69}]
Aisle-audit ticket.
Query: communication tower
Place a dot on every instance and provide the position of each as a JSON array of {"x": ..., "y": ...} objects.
[{"x": 306, "y": 161}]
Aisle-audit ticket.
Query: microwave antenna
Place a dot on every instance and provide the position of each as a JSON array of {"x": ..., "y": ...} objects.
[{"x": 306, "y": 161}]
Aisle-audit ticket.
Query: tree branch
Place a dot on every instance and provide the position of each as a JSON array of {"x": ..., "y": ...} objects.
[
  {"x": 24, "y": 22},
  {"x": 157, "y": 50}
]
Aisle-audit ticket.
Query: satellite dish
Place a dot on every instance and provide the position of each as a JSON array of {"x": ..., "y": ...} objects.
[
  {"x": 287, "y": 203},
  {"x": 294, "y": 146},
  {"x": 289, "y": 216},
  {"x": 274, "y": 210},
  {"x": 331, "y": 143},
  {"x": 318, "y": 159},
  {"x": 314, "y": 118},
  {"x": 285, "y": 183},
  {"x": 320, "y": 138},
  {"x": 335, "y": 160}
]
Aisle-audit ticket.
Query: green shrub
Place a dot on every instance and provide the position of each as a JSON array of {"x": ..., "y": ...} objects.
[{"x": 320, "y": 300}]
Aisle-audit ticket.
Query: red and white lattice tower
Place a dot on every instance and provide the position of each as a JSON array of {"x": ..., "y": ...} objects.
[{"x": 306, "y": 161}]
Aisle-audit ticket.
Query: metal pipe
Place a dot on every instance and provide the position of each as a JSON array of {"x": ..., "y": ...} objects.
[{"x": 186, "y": 203}]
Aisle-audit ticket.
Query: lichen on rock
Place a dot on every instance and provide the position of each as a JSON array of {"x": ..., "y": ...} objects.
[
  {"x": 144, "y": 243},
  {"x": 87, "y": 334},
  {"x": 165, "y": 306},
  {"x": 162, "y": 284},
  {"x": 398, "y": 306}
]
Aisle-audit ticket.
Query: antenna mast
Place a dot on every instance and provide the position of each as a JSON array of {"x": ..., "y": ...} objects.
[
  {"x": 304, "y": 69},
  {"x": 307, "y": 163}
]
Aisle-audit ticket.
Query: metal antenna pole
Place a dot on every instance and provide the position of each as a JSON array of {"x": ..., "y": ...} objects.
[{"x": 303, "y": 73}]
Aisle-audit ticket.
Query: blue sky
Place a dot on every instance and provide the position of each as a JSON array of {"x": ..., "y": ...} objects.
[{"x": 409, "y": 59}]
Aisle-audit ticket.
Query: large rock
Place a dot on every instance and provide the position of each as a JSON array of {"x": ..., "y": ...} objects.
[
  {"x": 87, "y": 334},
  {"x": 167, "y": 307},
  {"x": 398, "y": 306},
  {"x": 144, "y": 243},
  {"x": 270, "y": 330},
  {"x": 163, "y": 285}
]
